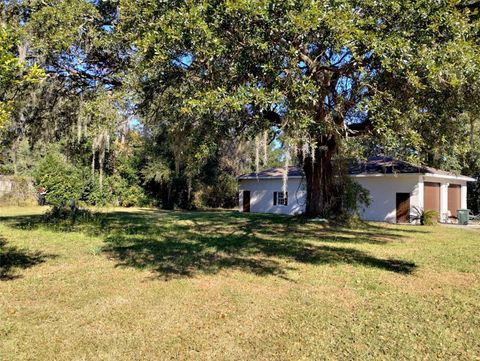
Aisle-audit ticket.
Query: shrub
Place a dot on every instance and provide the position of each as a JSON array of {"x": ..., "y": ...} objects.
[
  {"x": 222, "y": 194},
  {"x": 124, "y": 194},
  {"x": 63, "y": 181},
  {"x": 426, "y": 217},
  {"x": 92, "y": 194},
  {"x": 354, "y": 197},
  {"x": 116, "y": 192}
]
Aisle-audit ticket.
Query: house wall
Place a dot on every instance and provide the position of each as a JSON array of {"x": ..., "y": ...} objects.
[
  {"x": 261, "y": 196},
  {"x": 383, "y": 191},
  {"x": 463, "y": 196},
  {"x": 382, "y": 188}
]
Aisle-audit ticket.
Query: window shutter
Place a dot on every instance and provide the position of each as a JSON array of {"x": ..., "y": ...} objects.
[
  {"x": 274, "y": 198},
  {"x": 285, "y": 199}
]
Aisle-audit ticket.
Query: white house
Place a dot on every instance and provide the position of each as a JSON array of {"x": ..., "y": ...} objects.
[{"x": 396, "y": 189}]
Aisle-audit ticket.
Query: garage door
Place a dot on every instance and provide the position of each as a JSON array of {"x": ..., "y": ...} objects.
[
  {"x": 453, "y": 199},
  {"x": 432, "y": 196}
]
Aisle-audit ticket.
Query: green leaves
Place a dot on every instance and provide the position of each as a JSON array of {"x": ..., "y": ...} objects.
[
  {"x": 157, "y": 171},
  {"x": 14, "y": 73},
  {"x": 209, "y": 72},
  {"x": 62, "y": 181},
  {"x": 57, "y": 26},
  {"x": 319, "y": 66}
]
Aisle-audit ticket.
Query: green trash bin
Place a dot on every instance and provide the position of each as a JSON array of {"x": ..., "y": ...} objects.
[{"x": 462, "y": 215}]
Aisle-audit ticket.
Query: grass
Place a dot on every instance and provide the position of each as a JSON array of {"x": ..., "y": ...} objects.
[{"x": 142, "y": 284}]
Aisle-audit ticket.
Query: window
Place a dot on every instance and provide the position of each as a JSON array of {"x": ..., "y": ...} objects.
[{"x": 280, "y": 198}]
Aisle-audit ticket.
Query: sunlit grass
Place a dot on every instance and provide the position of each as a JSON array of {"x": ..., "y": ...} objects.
[{"x": 142, "y": 284}]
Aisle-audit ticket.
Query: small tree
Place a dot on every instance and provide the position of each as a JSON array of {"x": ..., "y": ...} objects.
[{"x": 62, "y": 181}]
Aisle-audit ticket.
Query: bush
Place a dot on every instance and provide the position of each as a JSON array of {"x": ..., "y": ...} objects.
[
  {"x": 222, "y": 194},
  {"x": 124, "y": 194},
  {"x": 93, "y": 195},
  {"x": 354, "y": 197},
  {"x": 63, "y": 181},
  {"x": 133, "y": 196},
  {"x": 426, "y": 217},
  {"x": 116, "y": 192}
]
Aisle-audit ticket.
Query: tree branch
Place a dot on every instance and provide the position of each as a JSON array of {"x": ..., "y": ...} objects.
[{"x": 357, "y": 129}]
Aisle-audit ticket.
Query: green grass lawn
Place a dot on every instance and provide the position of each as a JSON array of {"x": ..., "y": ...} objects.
[{"x": 142, "y": 284}]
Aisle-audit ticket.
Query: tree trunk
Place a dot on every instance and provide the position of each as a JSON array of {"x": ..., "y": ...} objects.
[
  {"x": 323, "y": 199},
  {"x": 93, "y": 162},
  {"x": 101, "y": 161},
  {"x": 101, "y": 177},
  {"x": 472, "y": 132},
  {"x": 15, "y": 157},
  {"x": 167, "y": 199}
]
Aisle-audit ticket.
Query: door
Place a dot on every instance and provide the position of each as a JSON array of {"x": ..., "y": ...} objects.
[
  {"x": 246, "y": 201},
  {"x": 454, "y": 199},
  {"x": 431, "y": 198},
  {"x": 403, "y": 207}
]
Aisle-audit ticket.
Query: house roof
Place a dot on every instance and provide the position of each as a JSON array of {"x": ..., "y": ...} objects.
[
  {"x": 388, "y": 165},
  {"x": 372, "y": 166},
  {"x": 293, "y": 172}
]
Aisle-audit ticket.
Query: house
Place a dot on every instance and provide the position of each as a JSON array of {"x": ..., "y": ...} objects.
[{"x": 397, "y": 189}]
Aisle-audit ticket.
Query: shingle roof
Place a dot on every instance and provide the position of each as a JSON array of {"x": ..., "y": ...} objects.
[
  {"x": 374, "y": 165},
  {"x": 388, "y": 165},
  {"x": 293, "y": 171}
]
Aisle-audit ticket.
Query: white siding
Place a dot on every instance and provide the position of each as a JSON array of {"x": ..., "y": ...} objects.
[
  {"x": 261, "y": 195},
  {"x": 383, "y": 191},
  {"x": 443, "y": 200},
  {"x": 382, "y": 188},
  {"x": 463, "y": 195},
  {"x": 421, "y": 193}
]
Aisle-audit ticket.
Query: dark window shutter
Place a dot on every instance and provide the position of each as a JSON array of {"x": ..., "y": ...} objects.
[
  {"x": 285, "y": 199},
  {"x": 274, "y": 198}
]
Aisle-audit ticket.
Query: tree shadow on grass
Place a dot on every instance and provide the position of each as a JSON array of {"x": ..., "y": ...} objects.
[
  {"x": 188, "y": 254},
  {"x": 91, "y": 223},
  {"x": 13, "y": 258},
  {"x": 184, "y": 244},
  {"x": 173, "y": 258}
]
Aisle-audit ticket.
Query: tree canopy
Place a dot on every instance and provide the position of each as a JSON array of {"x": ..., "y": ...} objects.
[{"x": 320, "y": 71}]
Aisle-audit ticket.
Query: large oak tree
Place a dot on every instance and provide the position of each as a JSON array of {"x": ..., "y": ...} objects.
[{"x": 320, "y": 71}]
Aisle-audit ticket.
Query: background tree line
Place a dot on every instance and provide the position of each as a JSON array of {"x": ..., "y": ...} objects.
[{"x": 165, "y": 103}]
